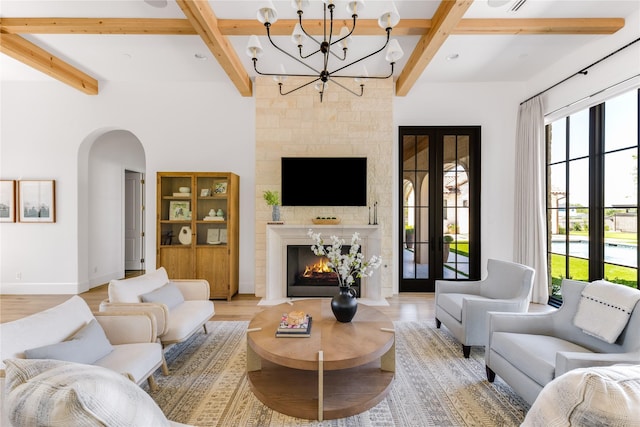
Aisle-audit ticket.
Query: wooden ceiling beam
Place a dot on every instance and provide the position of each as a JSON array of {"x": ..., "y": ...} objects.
[
  {"x": 202, "y": 18},
  {"x": 539, "y": 26},
  {"x": 445, "y": 19},
  {"x": 96, "y": 26},
  {"x": 28, "y": 53},
  {"x": 365, "y": 27},
  {"x": 420, "y": 27}
]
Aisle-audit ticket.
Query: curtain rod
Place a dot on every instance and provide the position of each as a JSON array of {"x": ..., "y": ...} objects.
[
  {"x": 592, "y": 95},
  {"x": 583, "y": 72}
]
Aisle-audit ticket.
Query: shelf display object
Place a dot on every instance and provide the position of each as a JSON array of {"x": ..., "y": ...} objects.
[{"x": 204, "y": 205}]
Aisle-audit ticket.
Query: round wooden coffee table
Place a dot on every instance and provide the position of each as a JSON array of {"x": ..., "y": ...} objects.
[{"x": 342, "y": 369}]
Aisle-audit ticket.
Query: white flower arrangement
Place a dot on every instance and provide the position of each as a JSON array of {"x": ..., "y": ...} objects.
[{"x": 348, "y": 267}]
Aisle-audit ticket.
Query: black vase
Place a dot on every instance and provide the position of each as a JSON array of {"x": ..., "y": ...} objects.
[{"x": 344, "y": 305}]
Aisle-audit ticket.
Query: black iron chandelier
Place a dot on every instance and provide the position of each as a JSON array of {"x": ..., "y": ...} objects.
[{"x": 326, "y": 47}]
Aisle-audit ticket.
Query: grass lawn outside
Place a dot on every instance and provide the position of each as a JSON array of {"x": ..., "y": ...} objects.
[{"x": 579, "y": 270}]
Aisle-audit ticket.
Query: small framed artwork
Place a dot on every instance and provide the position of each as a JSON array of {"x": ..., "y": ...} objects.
[
  {"x": 37, "y": 201},
  {"x": 221, "y": 188},
  {"x": 205, "y": 192},
  {"x": 213, "y": 236},
  {"x": 7, "y": 201},
  {"x": 179, "y": 210}
]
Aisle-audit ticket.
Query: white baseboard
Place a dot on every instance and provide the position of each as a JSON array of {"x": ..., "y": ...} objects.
[{"x": 39, "y": 288}]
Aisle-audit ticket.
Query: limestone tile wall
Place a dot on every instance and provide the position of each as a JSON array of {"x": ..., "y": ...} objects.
[{"x": 342, "y": 125}]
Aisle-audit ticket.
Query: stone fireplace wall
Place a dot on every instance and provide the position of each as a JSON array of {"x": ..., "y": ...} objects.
[{"x": 343, "y": 125}]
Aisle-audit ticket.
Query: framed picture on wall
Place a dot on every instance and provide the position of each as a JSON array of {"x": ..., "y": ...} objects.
[
  {"x": 7, "y": 201},
  {"x": 37, "y": 201}
]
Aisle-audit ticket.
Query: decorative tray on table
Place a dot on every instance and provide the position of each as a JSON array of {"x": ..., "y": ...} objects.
[{"x": 321, "y": 220}]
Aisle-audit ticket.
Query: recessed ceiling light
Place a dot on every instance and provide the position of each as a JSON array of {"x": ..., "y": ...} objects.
[
  {"x": 156, "y": 3},
  {"x": 497, "y": 3},
  {"x": 200, "y": 56},
  {"x": 452, "y": 57}
]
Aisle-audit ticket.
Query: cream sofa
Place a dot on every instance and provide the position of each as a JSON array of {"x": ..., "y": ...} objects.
[
  {"x": 179, "y": 313},
  {"x": 135, "y": 351},
  {"x": 529, "y": 350}
]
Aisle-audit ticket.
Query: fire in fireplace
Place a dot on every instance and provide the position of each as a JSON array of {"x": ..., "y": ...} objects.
[{"x": 309, "y": 275}]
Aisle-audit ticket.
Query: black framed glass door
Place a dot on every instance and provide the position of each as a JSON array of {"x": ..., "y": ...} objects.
[{"x": 440, "y": 205}]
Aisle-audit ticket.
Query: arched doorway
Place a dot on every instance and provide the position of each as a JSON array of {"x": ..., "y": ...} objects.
[{"x": 104, "y": 158}]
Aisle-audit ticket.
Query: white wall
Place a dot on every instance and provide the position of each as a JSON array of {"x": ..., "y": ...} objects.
[
  {"x": 494, "y": 107},
  {"x": 576, "y": 93},
  {"x": 46, "y": 127}
]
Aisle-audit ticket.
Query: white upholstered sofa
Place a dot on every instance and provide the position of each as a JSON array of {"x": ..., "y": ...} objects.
[
  {"x": 132, "y": 349},
  {"x": 529, "y": 350},
  {"x": 180, "y": 307}
]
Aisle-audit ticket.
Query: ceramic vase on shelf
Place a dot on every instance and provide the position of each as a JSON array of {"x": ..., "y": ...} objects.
[
  {"x": 344, "y": 305},
  {"x": 185, "y": 235},
  {"x": 275, "y": 213}
]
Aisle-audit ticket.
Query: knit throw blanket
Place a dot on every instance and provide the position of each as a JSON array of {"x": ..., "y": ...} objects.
[{"x": 605, "y": 308}]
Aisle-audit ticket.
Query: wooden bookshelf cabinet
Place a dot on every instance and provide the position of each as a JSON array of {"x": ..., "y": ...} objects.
[{"x": 197, "y": 234}]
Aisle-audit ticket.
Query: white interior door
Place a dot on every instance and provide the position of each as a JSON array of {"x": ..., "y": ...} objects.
[{"x": 133, "y": 222}]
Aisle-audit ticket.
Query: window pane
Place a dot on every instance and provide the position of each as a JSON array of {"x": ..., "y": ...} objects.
[
  {"x": 422, "y": 148},
  {"x": 557, "y": 219},
  {"x": 579, "y": 183},
  {"x": 624, "y": 275},
  {"x": 409, "y": 152},
  {"x": 422, "y": 260},
  {"x": 408, "y": 264},
  {"x": 558, "y": 184},
  {"x": 422, "y": 224},
  {"x": 621, "y": 121},
  {"x": 621, "y": 178},
  {"x": 579, "y": 269},
  {"x": 621, "y": 253},
  {"x": 558, "y": 272},
  {"x": 558, "y": 145},
  {"x": 579, "y": 134}
]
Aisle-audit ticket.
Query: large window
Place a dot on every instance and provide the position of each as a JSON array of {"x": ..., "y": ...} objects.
[{"x": 592, "y": 194}]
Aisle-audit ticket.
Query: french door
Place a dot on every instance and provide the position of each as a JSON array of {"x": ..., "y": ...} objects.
[{"x": 440, "y": 205}]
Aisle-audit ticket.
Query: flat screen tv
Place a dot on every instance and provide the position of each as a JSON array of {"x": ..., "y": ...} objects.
[{"x": 324, "y": 181}]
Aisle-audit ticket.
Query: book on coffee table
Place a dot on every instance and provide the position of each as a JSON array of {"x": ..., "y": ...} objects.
[{"x": 285, "y": 330}]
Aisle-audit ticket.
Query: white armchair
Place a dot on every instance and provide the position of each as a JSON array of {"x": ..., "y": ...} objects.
[
  {"x": 529, "y": 350},
  {"x": 462, "y": 306},
  {"x": 180, "y": 307}
]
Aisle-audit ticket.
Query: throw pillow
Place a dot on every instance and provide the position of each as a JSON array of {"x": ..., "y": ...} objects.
[
  {"x": 129, "y": 290},
  {"x": 57, "y": 393},
  {"x": 168, "y": 294},
  {"x": 598, "y": 396},
  {"x": 87, "y": 345}
]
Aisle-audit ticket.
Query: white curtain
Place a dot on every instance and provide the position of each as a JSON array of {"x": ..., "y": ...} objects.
[{"x": 530, "y": 243}]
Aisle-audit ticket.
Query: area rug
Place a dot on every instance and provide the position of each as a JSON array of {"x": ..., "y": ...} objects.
[{"x": 434, "y": 385}]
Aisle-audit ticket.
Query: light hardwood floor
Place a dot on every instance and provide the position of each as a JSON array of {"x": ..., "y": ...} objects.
[
  {"x": 406, "y": 306},
  {"x": 410, "y": 306}
]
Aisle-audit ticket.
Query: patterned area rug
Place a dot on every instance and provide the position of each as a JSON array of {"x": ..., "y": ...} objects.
[{"x": 434, "y": 385}]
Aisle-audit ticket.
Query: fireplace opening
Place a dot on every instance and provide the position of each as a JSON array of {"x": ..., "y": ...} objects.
[{"x": 309, "y": 276}]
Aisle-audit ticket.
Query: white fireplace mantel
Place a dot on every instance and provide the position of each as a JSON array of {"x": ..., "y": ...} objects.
[{"x": 281, "y": 235}]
